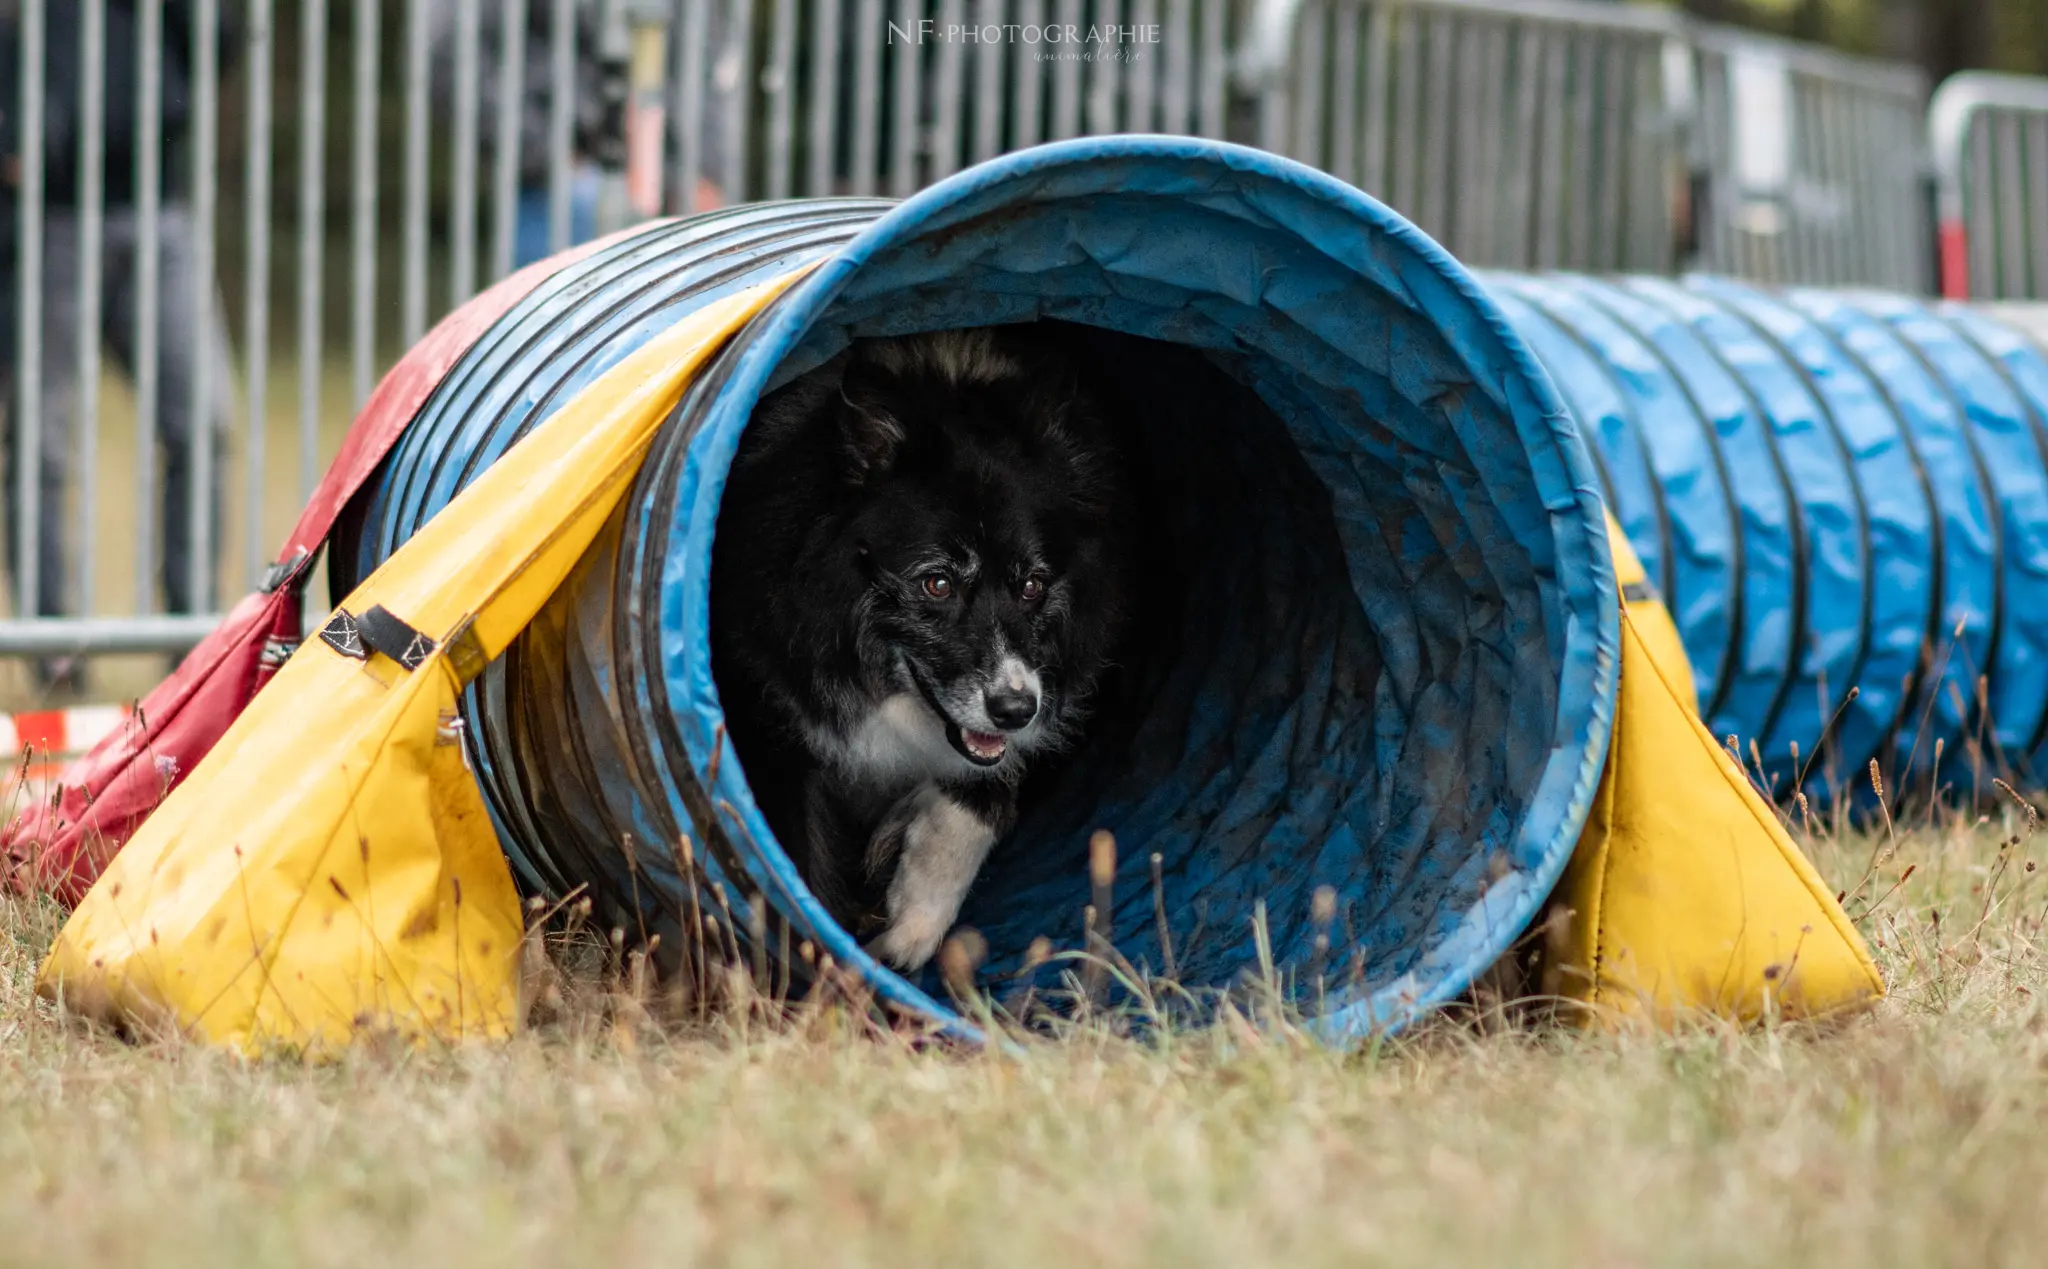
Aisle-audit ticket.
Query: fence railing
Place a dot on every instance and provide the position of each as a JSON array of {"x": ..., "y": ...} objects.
[
  {"x": 1563, "y": 134},
  {"x": 1815, "y": 170},
  {"x": 366, "y": 166},
  {"x": 870, "y": 97},
  {"x": 1527, "y": 135},
  {"x": 1990, "y": 141}
]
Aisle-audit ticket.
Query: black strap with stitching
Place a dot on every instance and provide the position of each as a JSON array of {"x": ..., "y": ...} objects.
[{"x": 377, "y": 630}]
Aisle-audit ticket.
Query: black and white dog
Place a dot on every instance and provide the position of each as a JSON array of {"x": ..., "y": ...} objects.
[{"x": 920, "y": 575}]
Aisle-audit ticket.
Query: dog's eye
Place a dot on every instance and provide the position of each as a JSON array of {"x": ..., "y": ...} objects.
[
  {"x": 938, "y": 585},
  {"x": 1032, "y": 590}
]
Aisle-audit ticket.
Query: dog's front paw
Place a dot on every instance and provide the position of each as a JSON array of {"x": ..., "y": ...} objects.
[
  {"x": 943, "y": 844},
  {"x": 911, "y": 940}
]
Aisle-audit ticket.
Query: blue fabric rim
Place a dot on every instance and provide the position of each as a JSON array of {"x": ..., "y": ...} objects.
[{"x": 1561, "y": 470}]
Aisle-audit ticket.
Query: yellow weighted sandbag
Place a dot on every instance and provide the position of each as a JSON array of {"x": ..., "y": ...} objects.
[
  {"x": 329, "y": 868},
  {"x": 1685, "y": 894}
]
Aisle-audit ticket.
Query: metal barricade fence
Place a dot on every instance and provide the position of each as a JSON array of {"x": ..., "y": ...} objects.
[
  {"x": 413, "y": 133},
  {"x": 1989, "y": 135},
  {"x": 1815, "y": 168},
  {"x": 870, "y": 97},
  {"x": 1579, "y": 135},
  {"x": 385, "y": 159},
  {"x": 1519, "y": 135}
]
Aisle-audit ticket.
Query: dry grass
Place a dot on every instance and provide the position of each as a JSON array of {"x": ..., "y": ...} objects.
[{"x": 1910, "y": 1137}]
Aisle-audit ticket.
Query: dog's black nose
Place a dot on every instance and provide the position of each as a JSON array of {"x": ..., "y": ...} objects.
[{"x": 1011, "y": 711}]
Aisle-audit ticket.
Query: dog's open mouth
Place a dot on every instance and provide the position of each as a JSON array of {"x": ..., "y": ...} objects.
[{"x": 982, "y": 748}]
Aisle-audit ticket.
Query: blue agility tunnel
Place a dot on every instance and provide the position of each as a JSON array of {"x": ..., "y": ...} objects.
[
  {"x": 1380, "y": 647},
  {"x": 1844, "y": 499}
]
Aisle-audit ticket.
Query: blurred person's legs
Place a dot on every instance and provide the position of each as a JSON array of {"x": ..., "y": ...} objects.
[
  {"x": 181, "y": 344},
  {"x": 530, "y": 237}
]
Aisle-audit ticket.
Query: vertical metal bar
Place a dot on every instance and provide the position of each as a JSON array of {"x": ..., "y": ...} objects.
[
  {"x": 686, "y": 102},
  {"x": 1432, "y": 207},
  {"x": 1872, "y": 185},
  {"x": 738, "y": 57},
  {"x": 1848, "y": 242},
  {"x": 1305, "y": 80},
  {"x": 1344, "y": 93},
  {"x": 1470, "y": 178},
  {"x": 1105, "y": 78},
  {"x": 256, "y": 303},
  {"x": 825, "y": 113},
  {"x": 1493, "y": 124},
  {"x": 988, "y": 82},
  {"x": 782, "y": 100},
  {"x": 312, "y": 210},
  {"x": 561, "y": 120},
  {"x": 1848, "y": 247},
  {"x": 1707, "y": 160},
  {"x": 1066, "y": 77},
  {"x": 462, "y": 195},
  {"x": 1825, "y": 238},
  {"x": 1917, "y": 217},
  {"x": 1983, "y": 236},
  {"x": 1803, "y": 243},
  {"x": 1878, "y": 167},
  {"x": 1911, "y": 217},
  {"x": 1519, "y": 148},
  {"x": 1379, "y": 41},
  {"x": 148, "y": 289},
  {"x": 952, "y": 63},
  {"x": 2012, "y": 209},
  {"x": 413, "y": 288},
  {"x": 1884, "y": 166},
  {"x": 903, "y": 115},
  {"x": 92, "y": 151},
  {"x": 1649, "y": 152},
  {"x": 363, "y": 207},
  {"x": 2037, "y": 204},
  {"x": 28, "y": 489},
  {"x": 204, "y": 496},
  {"x": 1906, "y": 223},
  {"x": 1027, "y": 77},
  {"x": 1405, "y": 189},
  {"x": 1142, "y": 110},
  {"x": 505, "y": 171},
  {"x": 1719, "y": 243},
  {"x": 868, "y": 43},
  {"x": 1615, "y": 121},
  {"x": 1582, "y": 173},
  {"x": 1878, "y": 224},
  {"x": 1983, "y": 211},
  {"x": 1213, "y": 79},
  {"x": 1176, "y": 79},
  {"x": 1551, "y": 157},
  {"x": 1789, "y": 250}
]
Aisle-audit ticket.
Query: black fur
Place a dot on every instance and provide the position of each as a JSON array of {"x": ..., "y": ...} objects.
[{"x": 980, "y": 457}]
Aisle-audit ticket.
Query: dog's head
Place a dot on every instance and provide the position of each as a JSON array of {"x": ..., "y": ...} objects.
[{"x": 987, "y": 524}]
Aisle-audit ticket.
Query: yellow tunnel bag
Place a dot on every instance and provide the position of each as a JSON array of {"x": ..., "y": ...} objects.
[
  {"x": 329, "y": 868},
  {"x": 1685, "y": 894}
]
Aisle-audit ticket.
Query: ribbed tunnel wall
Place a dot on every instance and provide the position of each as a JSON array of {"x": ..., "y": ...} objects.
[
  {"x": 1379, "y": 649},
  {"x": 1843, "y": 497}
]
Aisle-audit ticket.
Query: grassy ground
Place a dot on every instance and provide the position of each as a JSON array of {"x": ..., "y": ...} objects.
[{"x": 1909, "y": 1137}]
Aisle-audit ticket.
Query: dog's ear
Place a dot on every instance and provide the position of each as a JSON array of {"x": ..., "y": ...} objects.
[
  {"x": 1055, "y": 395},
  {"x": 868, "y": 426}
]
